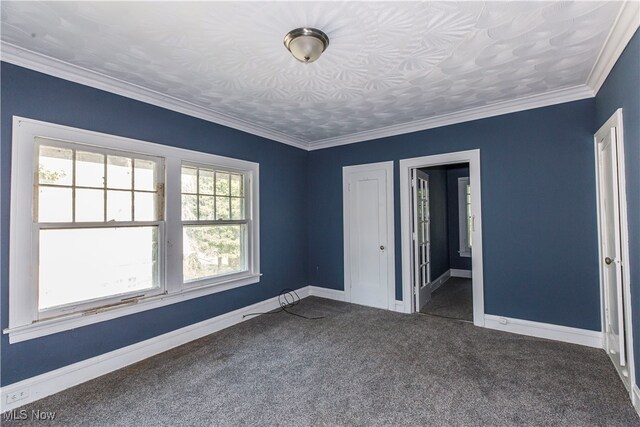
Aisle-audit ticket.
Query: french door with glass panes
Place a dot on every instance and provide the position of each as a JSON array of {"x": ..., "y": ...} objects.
[{"x": 421, "y": 238}]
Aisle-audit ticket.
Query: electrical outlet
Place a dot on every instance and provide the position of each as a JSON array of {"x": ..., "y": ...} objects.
[{"x": 17, "y": 395}]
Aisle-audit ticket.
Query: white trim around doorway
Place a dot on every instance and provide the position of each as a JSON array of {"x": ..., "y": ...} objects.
[{"x": 473, "y": 158}]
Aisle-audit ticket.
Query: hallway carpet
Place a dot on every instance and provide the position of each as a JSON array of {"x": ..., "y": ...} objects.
[
  {"x": 454, "y": 299},
  {"x": 358, "y": 366}
]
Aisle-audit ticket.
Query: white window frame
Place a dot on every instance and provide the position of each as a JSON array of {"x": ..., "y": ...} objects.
[
  {"x": 205, "y": 281},
  {"x": 463, "y": 220},
  {"x": 23, "y": 310}
]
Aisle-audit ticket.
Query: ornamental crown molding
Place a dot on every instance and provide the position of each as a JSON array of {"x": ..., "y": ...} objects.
[
  {"x": 626, "y": 24},
  {"x": 64, "y": 70},
  {"x": 623, "y": 29}
]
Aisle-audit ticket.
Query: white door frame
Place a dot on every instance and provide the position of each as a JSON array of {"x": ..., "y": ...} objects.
[
  {"x": 473, "y": 158},
  {"x": 391, "y": 270},
  {"x": 616, "y": 121}
]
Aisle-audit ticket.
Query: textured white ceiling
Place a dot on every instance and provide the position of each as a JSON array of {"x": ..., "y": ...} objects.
[{"x": 388, "y": 63}]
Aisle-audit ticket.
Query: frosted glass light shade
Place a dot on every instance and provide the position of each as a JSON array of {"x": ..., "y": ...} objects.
[{"x": 306, "y": 44}]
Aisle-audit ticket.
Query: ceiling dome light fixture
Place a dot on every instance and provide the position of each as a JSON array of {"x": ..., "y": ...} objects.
[{"x": 306, "y": 44}]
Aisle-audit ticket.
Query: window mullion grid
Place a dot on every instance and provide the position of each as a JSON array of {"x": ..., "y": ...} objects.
[
  {"x": 215, "y": 195},
  {"x": 102, "y": 224},
  {"x": 205, "y": 222},
  {"x": 133, "y": 188},
  {"x": 88, "y": 187},
  {"x": 104, "y": 190},
  {"x": 73, "y": 186},
  {"x": 243, "y": 196},
  {"x": 198, "y": 193}
]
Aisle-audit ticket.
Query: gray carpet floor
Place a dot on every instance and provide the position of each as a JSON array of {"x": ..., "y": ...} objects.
[
  {"x": 358, "y": 366},
  {"x": 454, "y": 299}
]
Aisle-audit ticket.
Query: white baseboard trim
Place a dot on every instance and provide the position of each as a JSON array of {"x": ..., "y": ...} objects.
[
  {"x": 435, "y": 284},
  {"x": 334, "y": 294},
  {"x": 55, "y": 381},
  {"x": 317, "y": 291},
  {"x": 544, "y": 330},
  {"x": 635, "y": 398},
  {"x": 399, "y": 306},
  {"x": 455, "y": 272}
]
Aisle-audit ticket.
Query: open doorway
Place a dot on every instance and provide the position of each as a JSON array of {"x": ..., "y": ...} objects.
[
  {"x": 441, "y": 228},
  {"x": 442, "y": 241}
]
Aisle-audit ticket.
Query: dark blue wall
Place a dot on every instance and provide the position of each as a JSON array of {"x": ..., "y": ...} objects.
[
  {"x": 439, "y": 220},
  {"x": 539, "y": 209},
  {"x": 622, "y": 90},
  {"x": 283, "y": 226},
  {"x": 455, "y": 260}
]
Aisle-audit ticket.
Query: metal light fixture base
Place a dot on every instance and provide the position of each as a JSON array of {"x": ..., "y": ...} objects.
[{"x": 306, "y": 53}]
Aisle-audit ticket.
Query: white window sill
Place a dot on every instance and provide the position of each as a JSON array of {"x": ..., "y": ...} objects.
[
  {"x": 465, "y": 254},
  {"x": 76, "y": 320}
]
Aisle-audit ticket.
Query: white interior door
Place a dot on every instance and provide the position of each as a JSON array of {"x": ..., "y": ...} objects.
[
  {"x": 611, "y": 250},
  {"x": 367, "y": 255},
  {"x": 421, "y": 237}
]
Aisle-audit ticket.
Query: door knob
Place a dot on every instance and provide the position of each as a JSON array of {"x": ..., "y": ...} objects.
[
  {"x": 608, "y": 260},
  {"x": 382, "y": 247}
]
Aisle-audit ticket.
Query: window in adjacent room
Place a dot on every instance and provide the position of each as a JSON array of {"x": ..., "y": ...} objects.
[{"x": 465, "y": 218}]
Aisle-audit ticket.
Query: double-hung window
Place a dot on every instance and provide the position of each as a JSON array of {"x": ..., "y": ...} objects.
[
  {"x": 214, "y": 223},
  {"x": 98, "y": 216},
  {"x": 104, "y": 226}
]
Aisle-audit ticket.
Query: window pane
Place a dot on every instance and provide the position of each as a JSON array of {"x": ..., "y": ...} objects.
[
  {"x": 119, "y": 172},
  {"x": 189, "y": 180},
  {"x": 89, "y": 169},
  {"x": 213, "y": 250},
  {"x": 189, "y": 207},
  {"x": 236, "y": 185},
  {"x": 55, "y": 165},
  {"x": 237, "y": 208},
  {"x": 82, "y": 264},
  {"x": 54, "y": 205},
  {"x": 118, "y": 205},
  {"x": 207, "y": 211},
  {"x": 222, "y": 208},
  {"x": 89, "y": 205},
  {"x": 145, "y": 206},
  {"x": 144, "y": 175},
  {"x": 206, "y": 182},
  {"x": 222, "y": 184}
]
